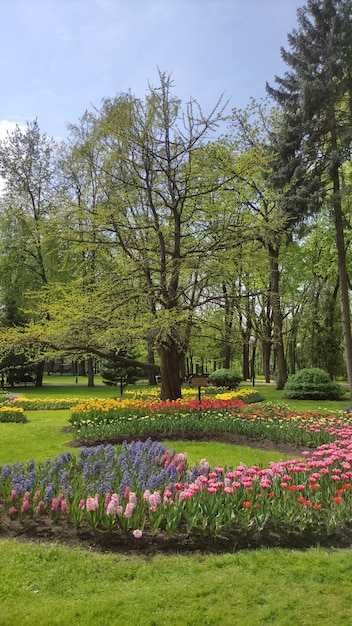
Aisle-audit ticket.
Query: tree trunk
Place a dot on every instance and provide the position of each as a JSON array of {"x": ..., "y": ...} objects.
[
  {"x": 151, "y": 360},
  {"x": 343, "y": 276},
  {"x": 266, "y": 344},
  {"x": 170, "y": 370},
  {"x": 81, "y": 368},
  {"x": 227, "y": 356},
  {"x": 39, "y": 374},
  {"x": 90, "y": 370},
  {"x": 277, "y": 317},
  {"x": 183, "y": 367},
  {"x": 245, "y": 360},
  {"x": 252, "y": 369},
  {"x": 266, "y": 348}
]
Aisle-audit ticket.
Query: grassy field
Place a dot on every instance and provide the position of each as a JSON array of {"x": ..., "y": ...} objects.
[{"x": 53, "y": 585}]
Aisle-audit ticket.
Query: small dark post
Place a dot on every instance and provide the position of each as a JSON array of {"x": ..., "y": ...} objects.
[{"x": 252, "y": 341}]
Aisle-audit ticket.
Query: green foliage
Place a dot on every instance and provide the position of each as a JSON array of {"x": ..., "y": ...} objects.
[
  {"x": 114, "y": 373},
  {"x": 225, "y": 378},
  {"x": 312, "y": 384},
  {"x": 18, "y": 370},
  {"x": 252, "y": 398}
]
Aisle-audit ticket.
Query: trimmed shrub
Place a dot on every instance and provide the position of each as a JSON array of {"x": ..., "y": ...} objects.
[
  {"x": 312, "y": 384},
  {"x": 225, "y": 378}
]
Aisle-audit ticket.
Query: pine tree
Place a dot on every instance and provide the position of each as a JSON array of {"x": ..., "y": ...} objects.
[{"x": 316, "y": 97}]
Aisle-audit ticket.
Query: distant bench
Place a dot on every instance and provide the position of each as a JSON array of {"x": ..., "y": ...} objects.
[{"x": 25, "y": 379}]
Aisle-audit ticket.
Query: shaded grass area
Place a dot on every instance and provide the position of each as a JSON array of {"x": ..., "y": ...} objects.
[{"x": 57, "y": 586}]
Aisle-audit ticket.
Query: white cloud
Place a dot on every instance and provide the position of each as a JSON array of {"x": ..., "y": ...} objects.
[{"x": 7, "y": 126}]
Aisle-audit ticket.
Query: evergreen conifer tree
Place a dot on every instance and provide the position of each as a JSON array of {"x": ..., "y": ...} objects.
[{"x": 314, "y": 145}]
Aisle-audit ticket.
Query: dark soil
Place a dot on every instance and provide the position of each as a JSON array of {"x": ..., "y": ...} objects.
[
  {"x": 104, "y": 541},
  {"x": 236, "y": 440}
]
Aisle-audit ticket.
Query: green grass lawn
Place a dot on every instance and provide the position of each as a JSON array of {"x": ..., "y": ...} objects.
[
  {"x": 39, "y": 439},
  {"x": 49, "y": 584},
  {"x": 56, "y": 586}
]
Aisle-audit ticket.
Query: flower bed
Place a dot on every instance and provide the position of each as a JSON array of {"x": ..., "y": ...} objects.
[
  {"x": 12, "y": 414},
  {"x": 133, "y": 398},
  {"x": 116, "y": 419},
  {"x": 143, "y": 488},
  {"x": 31, "y": 404}
]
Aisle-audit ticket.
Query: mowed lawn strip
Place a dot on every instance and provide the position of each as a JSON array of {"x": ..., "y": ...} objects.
[{"x": 53, "y": 585}]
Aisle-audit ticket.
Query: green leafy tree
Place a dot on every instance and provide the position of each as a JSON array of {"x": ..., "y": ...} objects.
[
  {"x": 159, "y": 210},
  {"x": 30, "y": 254}
]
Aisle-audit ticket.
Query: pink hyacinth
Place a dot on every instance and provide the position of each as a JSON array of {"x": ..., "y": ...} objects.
[
  {"x": 108, "y": 497},
  {"x": 92, "y": 504},
  {"x": 55, "y": 504},
  {"x": 12, "y": 510},
  {"x": 13, "y": 495},
  {"x": 132, "y": 498},
  {"x": 25, "y": 505},
  {"x": 64, "y": 507},
  {"x": 40, "y": 509},
  {"x": 127, "y": 492},
  {"x": 204, "y": 465},
  {"x": 167, "y": 494},
  {"x": 146, "y": 495},
  {"x": 129, "y": 510},
  {"x": 155, "y": 498},
  {"x": 181, "y": 457},
  {"x": 114, "y": 507},
  {"x": 137, "y": 533}
]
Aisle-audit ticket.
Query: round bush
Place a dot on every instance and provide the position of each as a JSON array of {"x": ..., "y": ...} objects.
[
  {"x": 225, "y": 378},
  {"x": 312, "y": 384}
]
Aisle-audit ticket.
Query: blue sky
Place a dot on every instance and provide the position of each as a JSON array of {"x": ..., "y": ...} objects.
[{"x": 61, "y": 57}]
